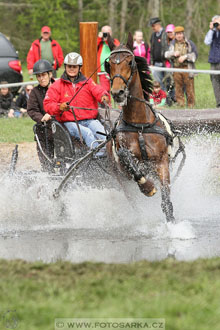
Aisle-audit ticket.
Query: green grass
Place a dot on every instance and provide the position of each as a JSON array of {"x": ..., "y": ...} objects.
[
  {"x": 204, "y": 94},
  {"x": 16, "y": 130},
  {"x": 186, "y": 294}
]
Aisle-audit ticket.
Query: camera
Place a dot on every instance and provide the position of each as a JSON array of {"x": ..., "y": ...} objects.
[
  {"x": 105, "y": 34},
  {"x": 215, "y": 25}
]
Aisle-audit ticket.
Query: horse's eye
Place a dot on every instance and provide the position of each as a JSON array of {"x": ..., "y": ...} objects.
[{"x": 130, "y": 63}]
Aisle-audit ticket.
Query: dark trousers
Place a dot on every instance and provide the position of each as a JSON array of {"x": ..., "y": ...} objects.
[{"x": 215, "y": 79}]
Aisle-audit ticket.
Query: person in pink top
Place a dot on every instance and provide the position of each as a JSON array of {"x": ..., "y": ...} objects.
[
  {"x": 141, "y": 48},
  {"x": 170, "y": 36}
]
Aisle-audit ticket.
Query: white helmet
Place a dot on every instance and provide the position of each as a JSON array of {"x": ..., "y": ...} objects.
[{"x": 73, "y": 59}]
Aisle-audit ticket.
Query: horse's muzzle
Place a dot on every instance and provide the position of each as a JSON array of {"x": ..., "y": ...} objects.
[{"x": 119, "y": 95}]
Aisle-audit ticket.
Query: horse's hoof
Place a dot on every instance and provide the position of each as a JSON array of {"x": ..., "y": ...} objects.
[
  {"x": 171, "y": 219},
  {"x": 152, "y": 192}
]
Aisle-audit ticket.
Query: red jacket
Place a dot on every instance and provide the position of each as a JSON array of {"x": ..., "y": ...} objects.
[
  {"x": 157, "y": 98},
  {"x": 100, "y": 46},
  {"x": 63, "y": 90},
  {"x": 34, "y": 54}
]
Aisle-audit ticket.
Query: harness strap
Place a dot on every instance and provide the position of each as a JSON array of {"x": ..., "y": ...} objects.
[
  {"x": 142, "y": 146},
  {"x": 144, "y": 129}
]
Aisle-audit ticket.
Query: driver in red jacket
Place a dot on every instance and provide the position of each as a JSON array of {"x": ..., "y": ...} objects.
[{"x": 62, "y": 91}]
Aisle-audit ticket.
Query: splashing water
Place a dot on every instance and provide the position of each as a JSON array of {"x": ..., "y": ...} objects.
[{"x": 112, "y": 215}]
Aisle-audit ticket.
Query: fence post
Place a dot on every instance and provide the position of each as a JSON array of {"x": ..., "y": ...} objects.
[{"x": 88, "y": 48}]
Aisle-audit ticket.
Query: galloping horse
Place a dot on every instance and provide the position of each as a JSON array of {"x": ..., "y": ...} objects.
[{"x": 141, "y": 141}]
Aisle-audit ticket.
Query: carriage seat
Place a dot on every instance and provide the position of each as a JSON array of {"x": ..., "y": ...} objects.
[{"x": 65, "y": 146}]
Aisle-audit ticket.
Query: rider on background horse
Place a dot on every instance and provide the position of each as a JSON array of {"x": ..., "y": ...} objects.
[{"x": 73, "y": 83}]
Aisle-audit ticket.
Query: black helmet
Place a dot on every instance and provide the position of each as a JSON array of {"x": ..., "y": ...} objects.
[{"x": 42, "y": 66}]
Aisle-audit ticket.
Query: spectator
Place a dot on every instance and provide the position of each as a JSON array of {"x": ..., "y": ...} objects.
[
  {"x": 212, "y": 39},
  {"x": 104, "y": 38},
  {"x": 158, "y": 48},
  {"x": 64, "y": 90},
  {"x": 170, "y": 36},
  {"x": 21, "y": 101},
  {"x": 183, "y": 53},
  {"x": 168, "y": 78},
  {"x": 158, "y": 97},
  {"x": 35, "y": 110},
  {"x": 7, "y": 105},
  {"x": 141, "y": 48},
  {"x": 45, "y": 48}
]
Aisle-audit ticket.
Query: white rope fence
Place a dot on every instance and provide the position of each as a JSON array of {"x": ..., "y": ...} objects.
[
  {"x": 157, "y": 68},
  {"x": 152, "y": 68}
]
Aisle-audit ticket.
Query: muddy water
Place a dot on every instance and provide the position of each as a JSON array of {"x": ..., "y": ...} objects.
[{"x": 104, "y": 224}]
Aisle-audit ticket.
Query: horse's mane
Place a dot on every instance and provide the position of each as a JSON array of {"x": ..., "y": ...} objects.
[{"x": 145, "y": 77}]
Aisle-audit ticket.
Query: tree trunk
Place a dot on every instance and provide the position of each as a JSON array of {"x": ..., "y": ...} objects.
[
  {"x": 218, "y": 7},
  {"x": 189, "y": 18},
  {"x": 80, "y": 10},
  {"x": 154, "y": 8},
  {"x": 124, "y": 7},
  {"x": 112, "y": 5}
]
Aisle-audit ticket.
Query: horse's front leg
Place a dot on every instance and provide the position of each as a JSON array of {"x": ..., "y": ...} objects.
[{"x": 164, "y": 177}]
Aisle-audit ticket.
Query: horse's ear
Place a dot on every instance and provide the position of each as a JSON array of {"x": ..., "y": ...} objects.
[
  {"x": 130, "y": 42},
  {"x": 110, "y": 41}
]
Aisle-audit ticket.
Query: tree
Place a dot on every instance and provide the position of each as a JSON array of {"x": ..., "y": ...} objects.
[
  {"x": 154, "y": 8},
  {"x": 189, "y": 17},
  {"x": 112, "y": 23},
  {"x": 80, "y": 10}
]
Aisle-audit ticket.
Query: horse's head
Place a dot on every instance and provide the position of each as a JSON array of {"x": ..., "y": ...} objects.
[{"x": 121, "y": 68}]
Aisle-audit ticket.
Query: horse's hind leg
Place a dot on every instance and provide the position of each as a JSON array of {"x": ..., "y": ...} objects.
[{"x": 164, "y": 176}]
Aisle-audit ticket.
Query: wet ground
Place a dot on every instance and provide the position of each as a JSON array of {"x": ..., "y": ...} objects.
[{"x": 101, "y": 223}]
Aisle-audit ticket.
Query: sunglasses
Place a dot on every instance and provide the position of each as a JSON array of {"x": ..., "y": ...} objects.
[{"x": 29, "y": 89}]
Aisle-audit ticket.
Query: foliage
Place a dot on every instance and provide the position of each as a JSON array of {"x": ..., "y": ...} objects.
[{"x": 184, "y": 293}]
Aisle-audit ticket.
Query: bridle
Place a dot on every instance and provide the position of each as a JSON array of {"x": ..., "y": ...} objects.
[
  {"x": 127, "y": 82},
  {"x": 117, "y": 60}
]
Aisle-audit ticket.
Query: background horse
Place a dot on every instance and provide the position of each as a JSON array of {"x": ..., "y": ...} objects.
[{"x": 141, "y": 141}]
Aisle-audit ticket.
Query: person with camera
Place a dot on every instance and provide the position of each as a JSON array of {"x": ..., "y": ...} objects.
[
  {"x": 212, "y": 39},
  {"x": 104, "y": 38}
]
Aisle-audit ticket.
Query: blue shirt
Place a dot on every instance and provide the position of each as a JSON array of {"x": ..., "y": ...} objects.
[{"x": 209, "y": 37}]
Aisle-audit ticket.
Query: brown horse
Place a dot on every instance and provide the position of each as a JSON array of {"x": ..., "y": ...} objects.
[{"x": 141, "y": 141}]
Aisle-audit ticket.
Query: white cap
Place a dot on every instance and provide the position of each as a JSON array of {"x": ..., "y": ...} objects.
[{"x": 73, "y": 59}]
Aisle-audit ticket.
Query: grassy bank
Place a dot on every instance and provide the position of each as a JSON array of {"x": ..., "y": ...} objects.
[
  {"x": 16, "y": 130},
  {"x": 185, "y": 294},
  {"x": 204, "y": 94}
]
